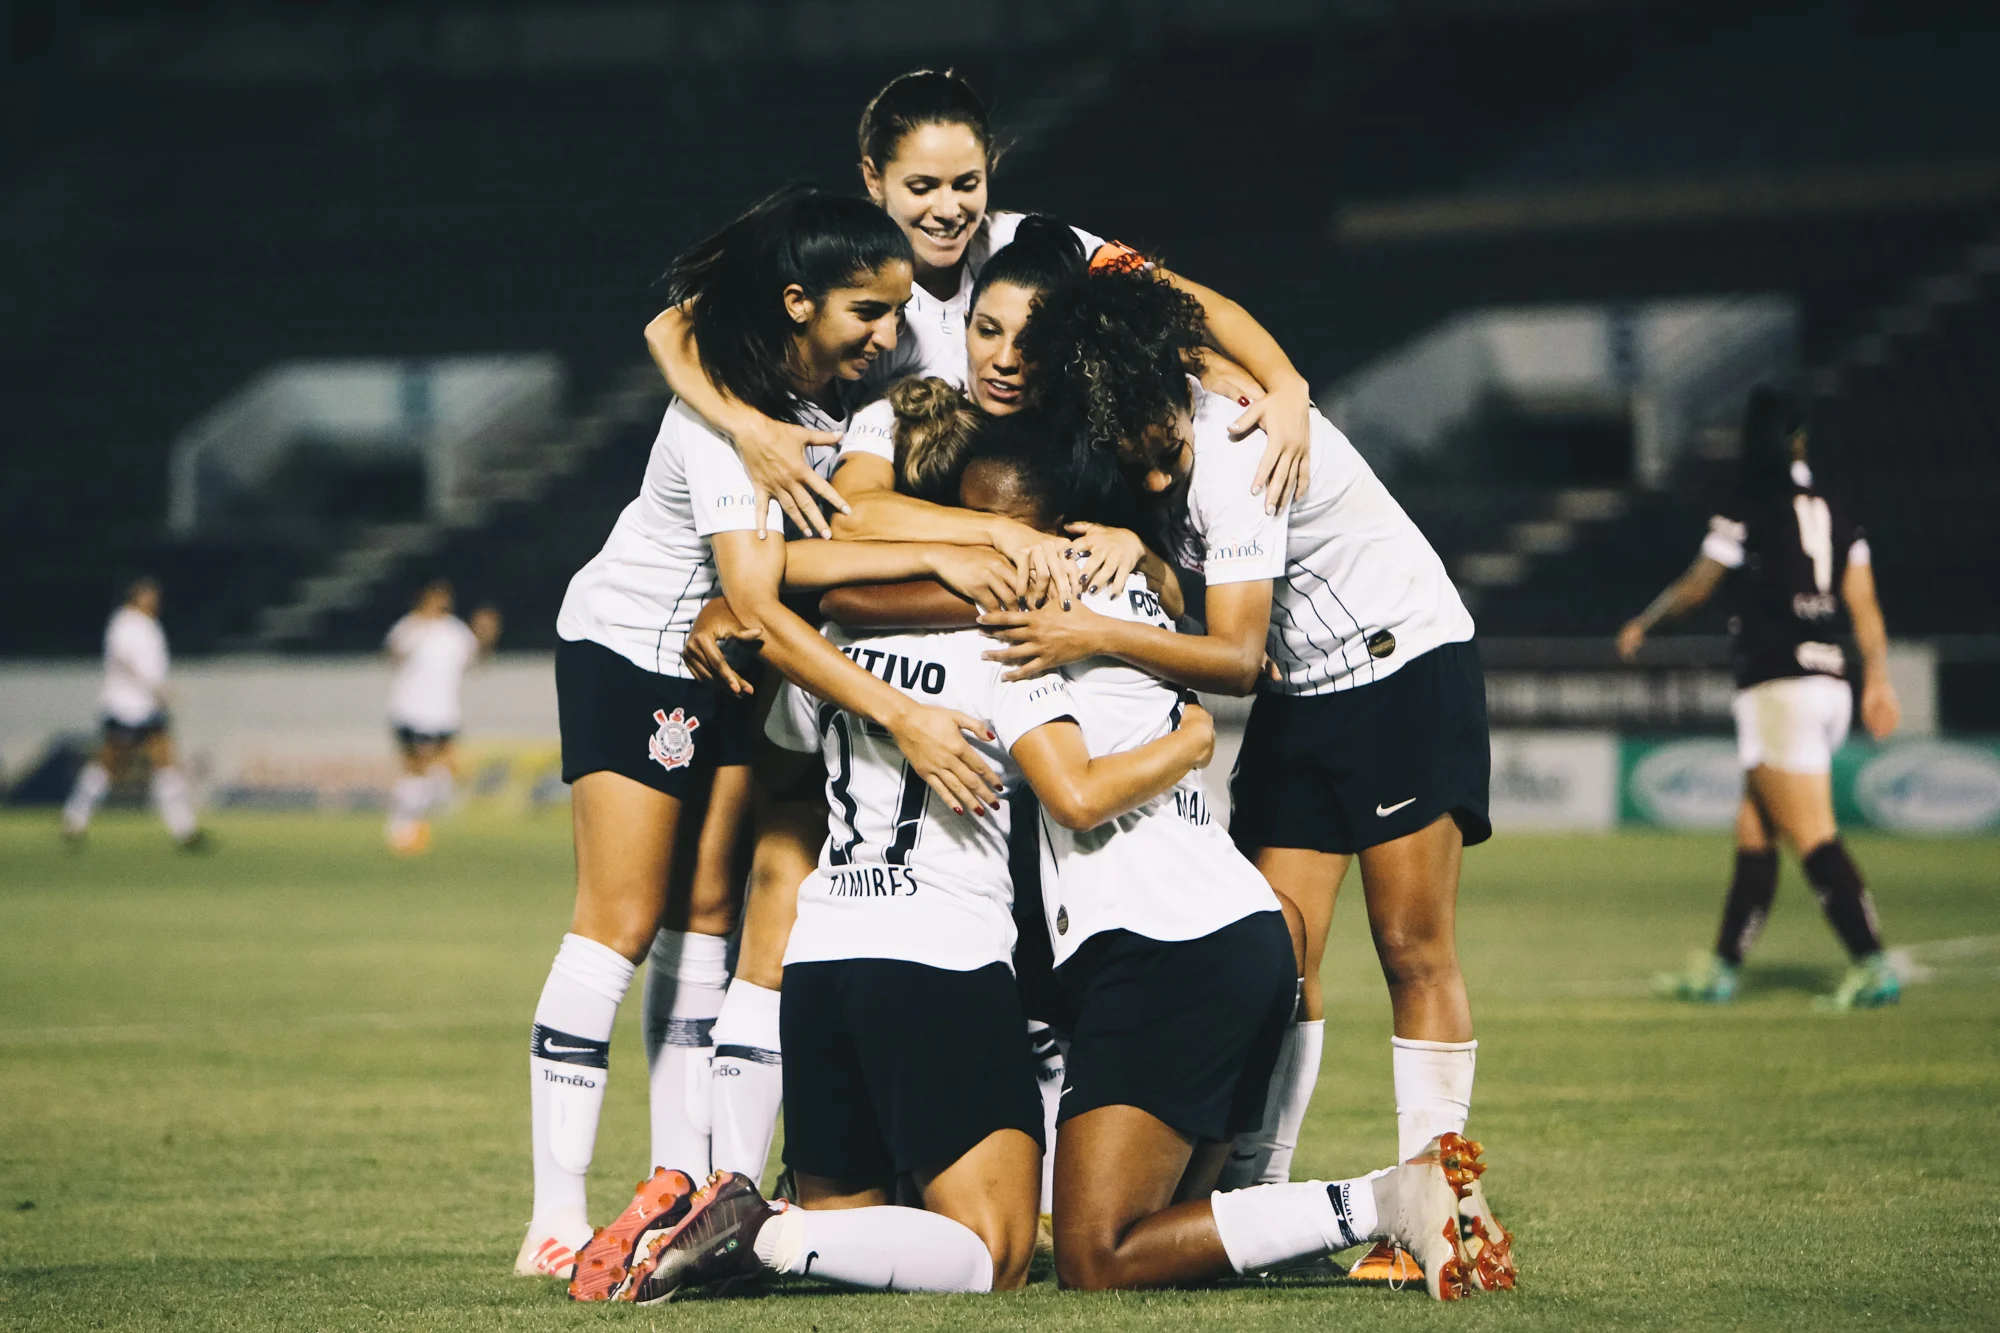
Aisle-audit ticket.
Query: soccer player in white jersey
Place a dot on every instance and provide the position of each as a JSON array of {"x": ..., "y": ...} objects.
[
  {"x": 135, "y": 723},
  {"x": 1802, "y": 573},
  {"x": 1369, "y": 741},
  {"x": 431, "y": 648},
  {"x": 797, "y": 299},
  {"x": 1181, "y": 967},
  {"x": 926, "y": 156}
]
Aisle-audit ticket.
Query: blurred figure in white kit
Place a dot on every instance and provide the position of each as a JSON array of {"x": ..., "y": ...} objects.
[{"x": 432, "y": 649}]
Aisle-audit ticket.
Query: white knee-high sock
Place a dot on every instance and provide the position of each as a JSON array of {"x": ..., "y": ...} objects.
[
  {"x": 568, "y": 1059},
  {"x": 173, "y": 797},
  {"x": 1263, "y": 1156},
  {"x": 91, "y": 784},
  {"x": 685, "y": 978},
  {"x": 1050, "y": 1067},
  {"x": 1267, "y": 1225},
  {"x": 1433, "y": 1090},
  {"x": 438, "y": 777},
  {"x": 409, "y": 801},
  {"x": 747, "y": 1083},
  {"x": 881, "y": 1249}
]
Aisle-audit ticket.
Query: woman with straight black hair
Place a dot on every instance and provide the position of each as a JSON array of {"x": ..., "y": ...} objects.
[
  {"x": 1368, "y": 739},
  {"x": 927, "y": 153},
  {"x": 1803, "y": 576},
  {"x": 796, "y": 300}
]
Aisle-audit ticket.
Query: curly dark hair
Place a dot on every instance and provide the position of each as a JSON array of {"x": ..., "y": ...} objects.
[{"x": 1110, "y": 356}]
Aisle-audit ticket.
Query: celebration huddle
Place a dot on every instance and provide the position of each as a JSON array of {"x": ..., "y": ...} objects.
[{"x": 880, "y": 714}]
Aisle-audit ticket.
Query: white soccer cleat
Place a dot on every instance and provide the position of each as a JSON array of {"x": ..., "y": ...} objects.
[
  {"x": 1423, "y": 1220},
  {"x": 544, "y": 1256}
]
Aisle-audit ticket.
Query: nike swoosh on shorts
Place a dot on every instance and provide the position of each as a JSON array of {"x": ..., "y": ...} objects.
[{"x": 1386, "y": 810}]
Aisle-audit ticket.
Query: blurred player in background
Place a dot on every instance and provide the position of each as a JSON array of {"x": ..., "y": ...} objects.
[
  {"x": 1802, "y": 573},
  {"x": 431, "y": 648},
  {"x": 135, "y": 722}
]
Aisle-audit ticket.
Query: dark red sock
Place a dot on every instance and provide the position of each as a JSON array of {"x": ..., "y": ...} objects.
[
  {"x": 1843, "y": 898},
  {"x": 1751, "y": 890}
]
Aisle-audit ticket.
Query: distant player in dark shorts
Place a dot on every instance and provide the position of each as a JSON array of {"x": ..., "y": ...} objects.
[{"x": 1800, "y": 572}]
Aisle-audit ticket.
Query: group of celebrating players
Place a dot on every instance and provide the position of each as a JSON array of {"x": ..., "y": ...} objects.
[{"x": 890, "y": 635}]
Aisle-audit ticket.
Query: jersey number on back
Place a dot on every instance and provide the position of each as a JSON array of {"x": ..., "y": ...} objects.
[
  {"x": 912, "y": 801},
  {"x": 1816, "y": 537}
]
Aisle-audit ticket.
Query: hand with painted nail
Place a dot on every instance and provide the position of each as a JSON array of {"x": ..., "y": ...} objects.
[
  {"x": 1109, "y": 555},
  {"x": 933, "y": 743},
  {"x": 1046, "y": 638}
]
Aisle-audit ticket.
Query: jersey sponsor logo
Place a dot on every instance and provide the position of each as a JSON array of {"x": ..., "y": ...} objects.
[
  {"x": 1240, "y": 551},
  {"x": 738, "y": 500},
  {"x": 905, "y": 673},
  {"x": 870, "y": 882},
  {"x": 1814, "y": 605},
  {"x": 1144, "y": 603},
  {"x": 672, "y": 746},
  {"x": 1821, "y": 657}
]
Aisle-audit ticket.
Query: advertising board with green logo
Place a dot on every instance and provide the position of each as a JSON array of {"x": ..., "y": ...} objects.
[{"x": 1920, "y": 785}]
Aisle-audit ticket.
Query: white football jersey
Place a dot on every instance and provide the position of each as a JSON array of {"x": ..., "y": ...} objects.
[
  {"x": 901, "y": 875},
  {"x": 432, "y": 653},
  {"x": 1359, "y": 591},
  {"x": 639, "y": 596},
  {"x": 1166, "y": 870},
  {"x": 938, "y": 326},
  {"x": 135, "y": 666}
]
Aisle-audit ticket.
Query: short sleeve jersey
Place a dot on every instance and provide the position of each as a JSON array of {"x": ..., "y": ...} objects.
[
  {"x": 937, "y": 326},
  {"x": 901, "y": 875},
  {"x": 432, "y": 653},
  {"x": 1166, "y": 870},
  {"x": 1788, "y": 558},
  {"x": 639, "y": 596},
  {"x": 1359, "y": 591},
  {"x": 135, "y": 666}
]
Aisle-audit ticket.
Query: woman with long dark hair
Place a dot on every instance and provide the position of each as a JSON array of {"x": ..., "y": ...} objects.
[
  {"x": 1802, "y": 576},
  {"x": 927, "y": 155},
  {"x": 795, "y": 302},
  {"x": 1367, "y": 740}
]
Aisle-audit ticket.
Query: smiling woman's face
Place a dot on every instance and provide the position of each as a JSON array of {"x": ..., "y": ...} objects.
[
  {"x": 842, "y": 334},
  {"x": 935, "y": 189},
  {"x": 995, "y": 372}
]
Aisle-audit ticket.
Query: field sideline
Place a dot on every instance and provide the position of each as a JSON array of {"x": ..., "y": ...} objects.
[{"x": 281, "y": 1087}]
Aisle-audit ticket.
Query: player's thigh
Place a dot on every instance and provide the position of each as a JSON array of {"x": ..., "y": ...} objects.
[
  {"x": 709, "y": 861},
  {"x": 1411, "y": 887},
  {"x": 1800, "y": 805},
  {"x": 159, "y": 747},
  {"x": 1310, "y": 881},
  {"x": 625, "y": 834},
  {"x": 994, "y": 1190},
  {"x": 1753, "y": 833},
  {"x": 1114, "y": 1166}
]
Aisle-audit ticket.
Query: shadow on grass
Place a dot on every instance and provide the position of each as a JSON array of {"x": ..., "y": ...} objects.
[{"x": 1799, "y": 978}]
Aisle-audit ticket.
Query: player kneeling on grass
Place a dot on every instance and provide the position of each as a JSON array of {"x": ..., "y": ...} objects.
[
  {"x": 1801, "y": 568},
  {"x": 1173, "y": 945}
]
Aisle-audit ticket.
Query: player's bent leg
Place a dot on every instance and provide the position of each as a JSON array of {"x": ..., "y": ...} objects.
[
  {"x": 624, "y": 834},
  {"x": 1117, "y": 1227},
  {"x": 994, "y": 1190}
]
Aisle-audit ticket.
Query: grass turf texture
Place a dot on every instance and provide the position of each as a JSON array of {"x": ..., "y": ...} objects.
[{"x": 281, "y": 1087}]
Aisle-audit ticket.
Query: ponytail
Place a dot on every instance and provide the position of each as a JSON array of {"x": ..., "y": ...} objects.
[{"x": 935, "y": 427}]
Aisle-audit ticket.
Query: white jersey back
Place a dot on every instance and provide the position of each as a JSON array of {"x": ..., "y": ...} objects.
[
  {"x": 1166, "y": 870},
  {"x": 135, "y": 666},
  {"x": 900, "y": 875},
  {"x": 938, "y": 325},
  {"x": 639, "y": 596},
  {"x": 432, "y": 653},
  {"x": 1359, "y": 590}
]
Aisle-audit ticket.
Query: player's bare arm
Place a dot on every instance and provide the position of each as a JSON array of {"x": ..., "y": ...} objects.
[
  {"x": 1694, "y": 587},
  {"x": 1228, "y": 659},
  {"x": 1881, "y": 711},
  {"x": 773, "y": 452},
  {"x": 930, "y": 738},
  {"x": 1081, "y": 792}
]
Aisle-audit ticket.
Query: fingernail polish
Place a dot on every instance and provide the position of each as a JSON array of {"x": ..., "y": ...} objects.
[
  {"x": 1242, "y": 402},
  {"x": 958, "y": 809}
]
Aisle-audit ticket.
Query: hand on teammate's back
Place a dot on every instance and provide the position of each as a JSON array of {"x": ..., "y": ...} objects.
[
  {"x": 1197, "y": 722},
  {"x": 981, "y": 575},
  {"x": 774, "y": 454},
  {"x": 933, "y": 743},
  {"x": 705, "y": 651},
  {"x": 1106, "y": 556}
]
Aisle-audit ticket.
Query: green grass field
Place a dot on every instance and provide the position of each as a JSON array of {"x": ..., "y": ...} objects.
[{"x": 281, "y": 1087}]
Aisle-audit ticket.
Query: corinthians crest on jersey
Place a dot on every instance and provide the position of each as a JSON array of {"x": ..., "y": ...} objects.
[{"x": 672, "y": 746}]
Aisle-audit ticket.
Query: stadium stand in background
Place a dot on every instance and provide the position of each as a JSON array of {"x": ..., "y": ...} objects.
[{"x": 1356, "y": 179}]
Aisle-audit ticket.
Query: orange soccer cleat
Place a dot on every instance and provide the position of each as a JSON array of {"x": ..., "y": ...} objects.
[{"x": 602, "y": 1264}]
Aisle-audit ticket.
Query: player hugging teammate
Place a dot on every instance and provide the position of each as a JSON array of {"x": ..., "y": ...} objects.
[{"x": 997, "y": 624}]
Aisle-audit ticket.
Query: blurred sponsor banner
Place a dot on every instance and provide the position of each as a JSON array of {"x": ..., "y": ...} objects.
[
  {"x": 346, "y": 770},
  {"x": 1913, "y": 786},
  {"x": 1554, "y": 780}
]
